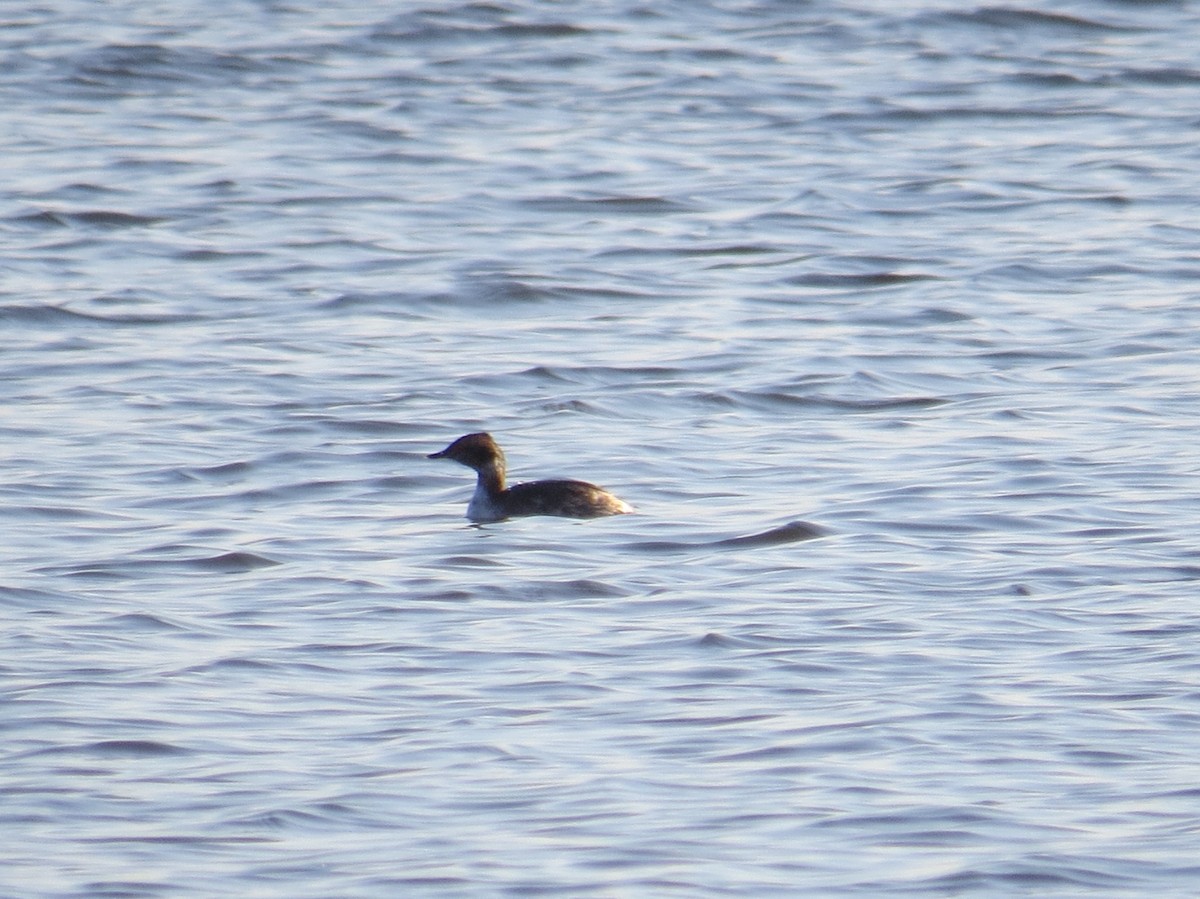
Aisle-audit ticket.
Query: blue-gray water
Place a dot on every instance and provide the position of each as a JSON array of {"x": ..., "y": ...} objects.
[{"x": 920, "y": 278}]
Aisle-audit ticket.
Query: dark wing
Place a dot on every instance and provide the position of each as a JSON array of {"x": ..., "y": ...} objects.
[{"x": 569, "y": 499}]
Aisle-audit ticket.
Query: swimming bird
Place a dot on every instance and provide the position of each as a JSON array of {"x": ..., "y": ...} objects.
[{"x": 493, "y": 501}]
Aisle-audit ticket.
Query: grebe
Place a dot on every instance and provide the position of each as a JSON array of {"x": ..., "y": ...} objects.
[{"x": 493, "y": 502}]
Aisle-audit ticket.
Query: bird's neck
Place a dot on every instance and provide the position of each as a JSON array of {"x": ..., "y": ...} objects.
[{"x": 491, "y": 478}]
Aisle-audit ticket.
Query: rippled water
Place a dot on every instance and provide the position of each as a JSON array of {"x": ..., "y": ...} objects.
[{"x": 883, "y": 316}]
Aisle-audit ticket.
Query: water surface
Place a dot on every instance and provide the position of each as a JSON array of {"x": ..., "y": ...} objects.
[{"x": 882, "y": 315}]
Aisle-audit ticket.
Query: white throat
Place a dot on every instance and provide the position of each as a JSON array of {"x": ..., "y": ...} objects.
[{"x": 481, "y": 507}]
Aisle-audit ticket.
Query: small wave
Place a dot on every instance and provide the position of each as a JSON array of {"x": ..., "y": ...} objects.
[
  {"x": 1013, "y": 18},
  {"x": 687, "y": 251},
  {"x": 135, "y": 748},
  {"x": 226, "y": 472},
  {"x": 633, "y": 205},
  {"x": 142, "y": 621},
  {"x": 427, "y": 27},
  {"x": 30, "y": 597},
  {"x": 576, "y": 375},
  {"x": 233, "y": 562},
  {"x": 53, "y": 513},
  {"x": 507, "y": 289},
  {"x": 792, "y": 532},
  {"x": 1029, "y": 273},
  {"x": 391, "y": 302},
  {"x": 864, "y": 280},
  {"x": 116, "y": 66},
  {"x": 115, "y": 749},
  {"x": 582, "y": 588},
  {"x": 914, "y": 318},
  {"x": 778, "y": 398},
  {"x": 534, "y": 29},
  {"x": 280, "y": 819},
  {"x": 130, "y": 569},
  {"x": 55, "y": 315},
  {"x": 470, "y": 562},
  {"x": 1168, "y": 76},
  {"x": 210, "y": 255},
  {"x": 107, "y": 218},
  {"x": 1048, "y": 79},
  {"x": 41, "y": 220},
  {"x": 577, "y": 406},
  {"x": 1053, "y": 878},
  {"x": 38, "y": 315},
  {"x": 372, "y": 427}
]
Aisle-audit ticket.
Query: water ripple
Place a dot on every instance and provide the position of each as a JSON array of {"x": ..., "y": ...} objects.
[{"x": 880, "y": 317}]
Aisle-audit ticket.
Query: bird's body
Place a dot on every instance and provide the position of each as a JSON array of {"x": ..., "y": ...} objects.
[{"x": 493, "y": 501}]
